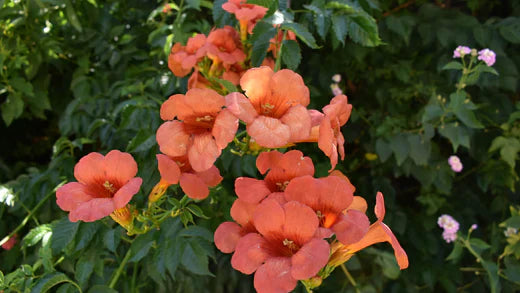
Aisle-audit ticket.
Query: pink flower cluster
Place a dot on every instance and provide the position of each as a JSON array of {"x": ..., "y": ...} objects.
[
  {"x": 455, "y": 164},
  {"x": 461, "y": 51},
  {"x": 450, "y": 226},
  {"x": 336, "y": 90},
  {"x": 487, "y": 56}
]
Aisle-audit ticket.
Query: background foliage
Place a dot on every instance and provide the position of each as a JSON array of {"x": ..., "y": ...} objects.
[{"x": 82, "y": 76}]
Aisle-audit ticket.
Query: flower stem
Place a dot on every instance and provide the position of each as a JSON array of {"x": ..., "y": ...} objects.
[
  {"x": 113, "y": 282},
  {"x": 31, "y": 213},
  {"x": 349, "y": 277}
]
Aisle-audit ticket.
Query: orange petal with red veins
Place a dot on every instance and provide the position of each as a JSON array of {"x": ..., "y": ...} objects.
[
  {"x": 269, "y": 217},
  {"x": 274, "y": 276},
  {"x": 242, "y": 212},
  {"x": 211, "y": 177},
  {"x": 193, "y": 186},
  {"x": 88, "y": 169},
  {"x": 225, "y": 128},
  {"x": 241, "y": 107},
  {"x": 249, "y": 253},
  {"x": 342, "y": 176},
  {"x": 172, "y": 138},
  {"x": 204, "y": 100},
  {"x": 251, "y": 190},
  {"x": 203, "y": 152},
  {"x": 119, "y": 167},
  {"x": 338, "y": 108},
  {"x": 226, "y": 236},
  {"x": 92, "y": 210},
  {"x": 125, "y": 193},
  {"x": 255, "y": 83},
  {"x": 168, "y": 169},
  {"x": 352, "y": 227},
  {"x": 70, "y": 195},
  {"x": 310, "y": 259},
  {"x": 269, "y": 132},
  {"x": 174, "y": 106},
  {"x": 267, "y": 160},
  {"x": 299, "y": 121},
  {"x": 301, "y": 221}
]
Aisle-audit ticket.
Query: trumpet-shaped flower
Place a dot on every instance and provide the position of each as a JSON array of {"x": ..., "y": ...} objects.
[
  {"x": 246, "y": 14},
  {"x": 223, "y": 46},
  {"x": 202, "y": 128},
  {"x": 274, "y": 111},
  {"x": 195, "y": 184},
  {"x": 284, "y": 250},
  {"x": 105, "y": 184},
  {"x": 182, "y": 59},
  {"x": 280, "y": 169},
  {"x": 378, "y": 232},
  {"x": 330, "y": 197}
]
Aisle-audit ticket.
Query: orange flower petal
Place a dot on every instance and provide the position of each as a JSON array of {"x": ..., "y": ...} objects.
[
  {"x": 249, "y": 253},
  {"x": 269, "y": 132},
  {"x": 255, "y": 83},
  {"x": 125, "y": 193},
  {"x": 92, "y": 210},
  {"x": 174, "y": 106},
  {"x": 226, "y": 236},
  {"x": 211, "y": 177},
  {"x": 288, "y": 90},
  {"x": 87, "y": 170},
  {"x": 204, "y": 101},
  {"x": 352, "y": 227},
  {"x": 250, "y": 189},
  {"x": 119, "y": 167},
  {"x": 70, "y": 195},
  {"x": 301, "y": 222},
  {"x": 269, "y": 217},
  {"x": 310, "y": 259},
  {"x": 225, "y": 128},
  {"x": 168, "y": 169},
  {"x": 267, "y": 160},
  {"x": 203, "y": 152},
  {"x": 242, "y": 212},
  {"x": 241, "y": 107},
  {"x": 172, "y": 138},
  {"x": 193, "y": 186},
  {"x": 273, "y": 276},
  {"x": 359, "y": 204},
  {"x": 299, "y": 122}
]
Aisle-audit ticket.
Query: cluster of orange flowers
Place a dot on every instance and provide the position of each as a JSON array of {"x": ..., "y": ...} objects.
[{"x": 289, "y": 226}]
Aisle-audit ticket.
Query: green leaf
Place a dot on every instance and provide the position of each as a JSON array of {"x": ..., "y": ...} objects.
[
  {"x": 362, "y": 29},
  {"x": 462, "y": 107},
  {"x": 453, "y": 65},
  {"x": 84, "y": 268},
  {"x": 101, "y": 289},
  {"x": 484, "y": 68},
  {"x": 432, "y": 112},
  {"x": 141, "y": 246},
  {"x": 291, "y": 55},
  {"x": 196, "y": 231},
  {"x": 513, "y": 222},
  {"x": 339, "y": 26},
  {"x": 63, "y": 233},
  {"x": 36, "y": 234},
  {"x": 321, "y": 21},
  {"x": 509, "y": 148},
  {"x": 456, "y": 253},
  {"x": 21, "y": 85},
  {"x": 197, "y": 211},
  {"x": 85, "y": 234},
  {"x": 342, "y": 7},
  {"x": 112, "y": 238},
  {"x": 402, "y": 25},
  {"x": 51, "y": 280},
  {"x": 262, "y": 35},
  {"x": 228, "y": 85},
  {"x": 195, "y": 258},
  {"x": 419, "y": 149},
  {"x": 302, "y": 33},
  {"x": 399, "y": 145},
  {"x": 194, "y": 4},
  {"x": 264, "y": 3},
  {"x": 492, "y": 271},
  {"x": 478, "y": 245},
  {"x": 142, "y": 141},
  {"x": 1, "y": 279},
  {"x": 12, "y": 108},
  {"x": 457, "y": 134},
  {"x": 383, "y": 150},
  {"x": 510, "y": 29},
  {"x": 72, "y": 17},
  {"x": 389, "y": 265}
]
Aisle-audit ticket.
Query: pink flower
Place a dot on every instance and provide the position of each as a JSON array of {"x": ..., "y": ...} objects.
[
  {"x": 487, "y": 56},
  {"x": 455, "y": 163},
  {"x": 336, "y": 78},
  {"x": 449, "y": 236},
  {"x": 447, "y": 222},
  {"x": 105, "y": 184},
  {"x": 460, "y": 51}
]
